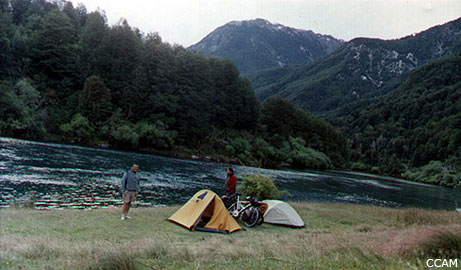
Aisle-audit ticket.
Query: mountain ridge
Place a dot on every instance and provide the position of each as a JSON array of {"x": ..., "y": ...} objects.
[
  {"x": 360, "y": 69},
  {"x": 259, "y": 44}
]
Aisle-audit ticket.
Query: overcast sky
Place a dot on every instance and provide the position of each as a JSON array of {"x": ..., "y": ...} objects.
[{"x": 186, "y": 22}]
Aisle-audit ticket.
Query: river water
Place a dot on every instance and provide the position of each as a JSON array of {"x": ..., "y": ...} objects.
[{"x": 56, "y": 176}]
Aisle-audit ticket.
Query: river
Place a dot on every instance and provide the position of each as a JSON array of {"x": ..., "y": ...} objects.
[{"x": 56, "y": 176}]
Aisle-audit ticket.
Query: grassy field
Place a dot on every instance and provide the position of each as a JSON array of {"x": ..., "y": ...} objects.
[{"x": 336, "y": 236}]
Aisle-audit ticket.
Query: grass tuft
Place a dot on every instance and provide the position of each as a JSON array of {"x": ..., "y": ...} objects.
[
  {"x": 114, "y": 259},
  {"x": 445, "y": 244},
  {"x": 416, "y": 216}
]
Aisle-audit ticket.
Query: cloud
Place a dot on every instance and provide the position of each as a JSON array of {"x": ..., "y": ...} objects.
[
  {"x": 428, "y": 7},
  {"x": 187, "y": 21}
]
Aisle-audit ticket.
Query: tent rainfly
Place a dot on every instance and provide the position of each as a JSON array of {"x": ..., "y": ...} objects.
[
  {"x": 205, "y": 211},
  {"x": 281, "y": 213}
]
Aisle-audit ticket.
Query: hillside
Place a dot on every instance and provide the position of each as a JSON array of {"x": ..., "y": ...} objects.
[
  {"x": 417, "y": 123},
  {"x": 358, "y": 71},
  {"x": 256, "y": 45}
]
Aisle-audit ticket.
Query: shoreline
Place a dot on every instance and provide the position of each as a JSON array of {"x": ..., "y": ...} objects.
[{"x": 189, "y": 154}]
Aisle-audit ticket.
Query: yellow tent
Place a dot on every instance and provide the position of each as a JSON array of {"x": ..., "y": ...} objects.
[{"x": 205, "y": 211}]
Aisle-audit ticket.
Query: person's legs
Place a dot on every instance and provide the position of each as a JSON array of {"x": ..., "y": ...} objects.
[
  {"x": 129, "y": 197},
  {"x": 126, "y": 204},
  {"x": 126, "y": 208}
]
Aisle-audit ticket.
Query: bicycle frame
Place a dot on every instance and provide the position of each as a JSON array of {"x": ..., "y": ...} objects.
[
  {"x": 237, "y": 208},
  {"x": 253, "y": 209}
]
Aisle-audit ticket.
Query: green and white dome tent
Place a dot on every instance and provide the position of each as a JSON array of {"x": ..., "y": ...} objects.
[{"x": 281, "y": 213}]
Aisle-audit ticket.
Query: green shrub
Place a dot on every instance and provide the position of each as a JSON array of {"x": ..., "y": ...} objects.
[
  {"x": 306, "y": 157},
  {"x": 125, "y": 134},
  {"x": 155, "y": 135},
  {"x": 428, "y": 173},
  {"x": 359, "y": 166},
  {"x": 259, "y": 186},
  {"x": 79, "y": 128},
  {"x": 375, "y": 170}
]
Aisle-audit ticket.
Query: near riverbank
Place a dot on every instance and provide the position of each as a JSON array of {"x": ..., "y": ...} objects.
[{"x": 336, "y": 236}]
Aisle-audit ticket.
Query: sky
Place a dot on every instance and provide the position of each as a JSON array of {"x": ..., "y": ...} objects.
[{"x": 186, "y": 22}]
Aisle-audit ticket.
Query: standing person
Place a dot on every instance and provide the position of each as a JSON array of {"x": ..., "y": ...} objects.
[
  {"x": 231, "y": 182},
  {"x": 130, "y": 189}
]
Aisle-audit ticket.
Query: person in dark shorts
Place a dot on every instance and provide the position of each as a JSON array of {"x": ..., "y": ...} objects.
[{"x": 130, "y": 189}]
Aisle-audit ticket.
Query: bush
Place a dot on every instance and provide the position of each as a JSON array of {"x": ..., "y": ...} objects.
[
  {"x": 259, "y": 186},
  {"x": 79, "y": 128},
  {"x": 428, "y": 173},
  {"x": 305, "y": 157},
  {"x": 359, "y": 166},
  {"x": 156, "y": 135},
  {"x": 125, "y": 135}
]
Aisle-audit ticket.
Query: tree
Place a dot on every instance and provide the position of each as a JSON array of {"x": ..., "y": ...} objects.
[
  {"x": 82, "y": 13},
  {"x": 92, "y": 34},
  {"x": 74, "y": 18},
  {"x": 4, "y": 6},
  {"x": 279, "y": 115},
  {"x": 6, "y": 52},
  {"x": 19, "y": 10},
  {"x": 56, "y": 54},
  {"x": 96, "y": 100},
  {"x": 118, "y": 57},
  {"x": 154, "y": 80},
  {"x": 20, "y": 111}
]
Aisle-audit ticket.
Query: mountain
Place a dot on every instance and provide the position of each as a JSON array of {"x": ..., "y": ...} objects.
[
  {"x": 256, "y": 45},
  {"x": 417, "y": 123},
  {"x": 358, "y": 71}
]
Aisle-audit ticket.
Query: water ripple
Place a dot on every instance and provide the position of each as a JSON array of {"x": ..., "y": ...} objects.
[{"x": 62, "y": 176}]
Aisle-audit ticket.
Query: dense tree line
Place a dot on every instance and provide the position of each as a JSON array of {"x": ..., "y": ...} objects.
[{"x": 65, "y": 74}]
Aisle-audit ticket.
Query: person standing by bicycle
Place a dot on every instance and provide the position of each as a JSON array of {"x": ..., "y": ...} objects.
[{"x": 231, "y": 183}]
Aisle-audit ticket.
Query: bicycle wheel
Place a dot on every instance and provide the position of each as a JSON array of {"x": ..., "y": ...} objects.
[
  {"x": 252, "y": 216},
  {"x": 260, "y": 219}
]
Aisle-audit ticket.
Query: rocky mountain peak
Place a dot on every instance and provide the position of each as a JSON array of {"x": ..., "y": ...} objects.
[{"x": 259, "y": 44}]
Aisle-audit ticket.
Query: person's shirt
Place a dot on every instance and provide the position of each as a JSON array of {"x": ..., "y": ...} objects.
[
  {"x": 130, "y": 181},
  {"x": 231, "y": 184}
]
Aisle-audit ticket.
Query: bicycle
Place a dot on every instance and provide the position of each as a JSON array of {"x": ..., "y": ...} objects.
[{"x": 251, "y": 211}]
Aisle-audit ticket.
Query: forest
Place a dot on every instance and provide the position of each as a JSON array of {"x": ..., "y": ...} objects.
[
  {"x": 415, "y": 131},
  {"x": 68, "y": 76}
]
